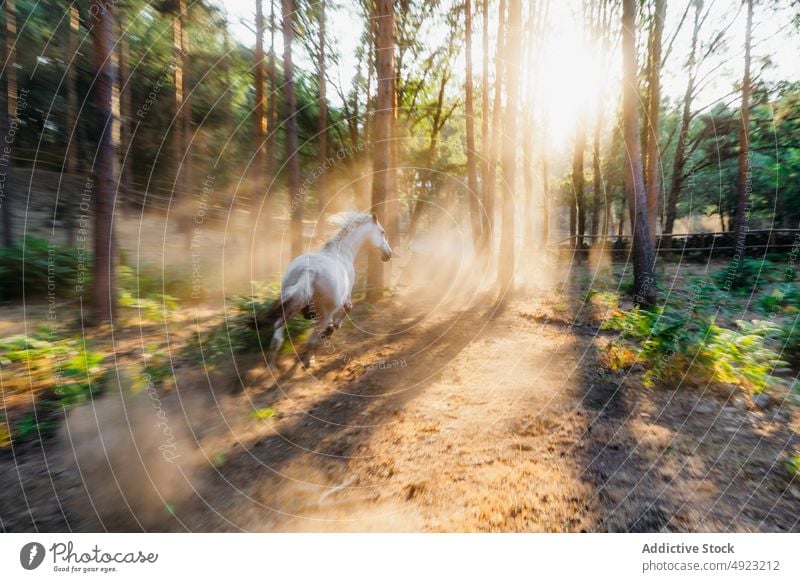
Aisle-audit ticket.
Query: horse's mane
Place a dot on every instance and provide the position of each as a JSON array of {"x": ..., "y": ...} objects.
[{"x": 346, "y": 222}]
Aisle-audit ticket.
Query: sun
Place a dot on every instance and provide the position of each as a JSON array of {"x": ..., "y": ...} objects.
[{"x": 573, "y": 78}]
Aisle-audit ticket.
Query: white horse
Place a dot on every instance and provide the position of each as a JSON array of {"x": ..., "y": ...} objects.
[{"x": 321, "y": 284}]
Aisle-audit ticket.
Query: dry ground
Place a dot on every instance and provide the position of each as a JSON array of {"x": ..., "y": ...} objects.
[{"x": 478, "y": 415}]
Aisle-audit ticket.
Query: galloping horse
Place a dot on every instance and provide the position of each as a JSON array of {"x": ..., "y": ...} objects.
[{"x": 320, "y": 284}]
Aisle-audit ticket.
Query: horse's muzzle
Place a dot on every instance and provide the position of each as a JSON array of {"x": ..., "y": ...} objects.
[{"x": 386, "y": 255}]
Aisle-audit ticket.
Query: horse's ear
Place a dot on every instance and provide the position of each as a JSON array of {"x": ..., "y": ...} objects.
[{"x": 374, "y": 217}]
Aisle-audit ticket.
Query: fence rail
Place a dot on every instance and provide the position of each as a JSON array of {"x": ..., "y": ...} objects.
[{"x": 701, "y": 244}]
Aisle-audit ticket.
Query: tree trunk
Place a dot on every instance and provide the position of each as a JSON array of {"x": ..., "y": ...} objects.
[
  {"x": 643, "y": 253},
  {"x": 686, "y": 118},
  {"x": 272, "y": 122},
  {"x": 577, "y": 217},
  {"x": 384, "y": 20},
  {"x": 472, "y": 170},
  {"x": 486, "y": 230},
  {"x": 260, "y": 128},
  {"x": 507, "y": 237},
  {"x": 292, "y": 154},
  {"x": 9, "y": 116},
  {"x": 497, "y": 126},
  {"x": 103, "y": 279},
  {"x": 183, "y": 117},
  {"x": 125, "y": 134},
  {"x": 322, "y": 99},
  {"x": 742, "y": 216},
  {"x": 545, "y": 189},
  {"x": 653, "y": 183},
  {"x": 73, "y": 141},
  {"x": 597, "y": 175}
]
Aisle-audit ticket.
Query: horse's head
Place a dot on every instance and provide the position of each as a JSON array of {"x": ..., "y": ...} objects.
[{"x": 377, "y": 238}]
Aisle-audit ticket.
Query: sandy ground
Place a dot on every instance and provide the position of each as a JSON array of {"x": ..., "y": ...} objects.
[{"x": 439, "y": 413}]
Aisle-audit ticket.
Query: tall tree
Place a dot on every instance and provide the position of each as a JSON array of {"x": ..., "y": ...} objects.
[
  {"x": 497, "y": 126},
  {"x": 183, "y": 114},
  {"x": 485, "y": 226},
  {"x": 292, "y": 154},
  {"x": 744, "y": 143},
  {"x": 601, "y": 38},
  {"x": 509, "y": 161},
  {"x": 124, "y": 95},
  {"x": 9, "y": 114},
  {"x": 643, "y": 252},
  {"x": 577, "y": 216},
  {"x": 652, "y": 179},
  {"x": 73, "y": 140},
  {"x": 103, "y": 279},
  {"x": 384, "y": 64},
  {"x": 272, "y": 138},
  {"x": 686, "y": 117},
  {"x": 545, "y": 188},
  {"x": 322, "y": 99},
  {"x": 259, "y": 123},
  {"x": 472, "y": 170}
]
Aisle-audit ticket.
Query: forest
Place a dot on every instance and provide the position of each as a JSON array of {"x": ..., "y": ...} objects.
[{"x": 579, "y": 311}]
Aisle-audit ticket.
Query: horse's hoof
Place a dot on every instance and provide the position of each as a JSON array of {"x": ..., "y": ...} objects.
[{"x": 308, "y": 362}]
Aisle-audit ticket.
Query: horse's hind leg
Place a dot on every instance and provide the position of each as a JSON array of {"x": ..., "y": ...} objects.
[{"x": 317, "y": 336}]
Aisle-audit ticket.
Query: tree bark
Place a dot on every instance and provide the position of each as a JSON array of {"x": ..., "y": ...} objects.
[
  {"x": 643, "y": 253},
  {"x": 497, "y": 126},
  {"x": 486, "y": 230},
  {"x": 577, "y": 217},
  {"x": 183, "y": 117},
  {"x": 9, "y": 117},
  {"x": 597, "y": 175},
  {"x": 507, "y": 237},
  {"x": 73, "y": 141},
  {"x": 741, "y": 217},
  {"x": 545, "y": 189},
  {"x": 125, "y": 133},
  {"x": 322, "y": 99},
  {"x": 384, "y": 61},
  {"x": 472, "y": 170},
  {"x": 652, "y": 179},
  {"x": 259, "y": 126},
  {"x": 292, "y": 154},
  {"x": 272, "y": 121},
  {"x": 103, "y": 278},
  {"x": 686, "y": 118}
]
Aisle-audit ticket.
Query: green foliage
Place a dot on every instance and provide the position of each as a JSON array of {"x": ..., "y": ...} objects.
[
  {"x": 680, "y": 346},
  {"x": 143, "y": 293},
  {"x": 784, "y": 298},
  {"x": 56, "y": 373},
  {"x": 31, "y": 264},
  {"x": 238, "y": 334},
  {"x": 746, "y": 275}
]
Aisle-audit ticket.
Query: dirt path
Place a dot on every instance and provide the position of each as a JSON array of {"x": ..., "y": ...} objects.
[{"x": 496, "y": 417}]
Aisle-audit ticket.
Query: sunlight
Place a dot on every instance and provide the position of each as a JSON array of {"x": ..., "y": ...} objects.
[{"x": 572, "y": 79}]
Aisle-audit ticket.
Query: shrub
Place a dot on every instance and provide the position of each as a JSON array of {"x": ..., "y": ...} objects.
[
  {"x": 27, "y": 266},
  {"x": 56, "y": 373},
  {"x": 783, "y": 298},
  {"x": 746, "y": 275},
  {"x": 143, "y": 293},
  {"x": 676, "y": 345},
  {"x": 238, "y": 334}
]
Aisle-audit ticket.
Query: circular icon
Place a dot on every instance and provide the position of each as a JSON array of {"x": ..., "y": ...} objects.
[{"x": 31, "y": 555}]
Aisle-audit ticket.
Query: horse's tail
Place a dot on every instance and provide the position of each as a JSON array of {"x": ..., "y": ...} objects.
[{"x": 291, "y": 301}]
